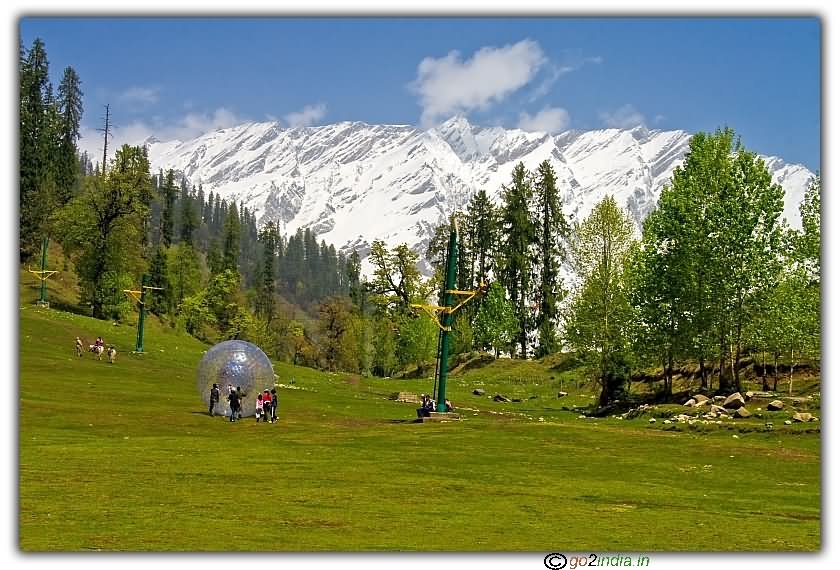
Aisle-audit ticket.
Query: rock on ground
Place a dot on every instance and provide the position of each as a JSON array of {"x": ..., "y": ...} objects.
[
  {"x": 742, "y": 413},
  {"x": 775, "y": 406},
  {"x": 734, "y": 401}
]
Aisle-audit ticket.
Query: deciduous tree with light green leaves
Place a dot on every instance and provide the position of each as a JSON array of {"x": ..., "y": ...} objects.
[
  {"x": 599, "y": 318},
  {"x": 495, "y": 324}
]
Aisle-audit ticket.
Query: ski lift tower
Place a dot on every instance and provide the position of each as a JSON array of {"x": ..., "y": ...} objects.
[
  {"x": 43, "y": 274},
  {"x": 447, "y": 315},
  {"x": 140, "y": 297}
]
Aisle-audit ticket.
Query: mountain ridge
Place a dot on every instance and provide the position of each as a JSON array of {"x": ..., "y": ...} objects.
[{"x": 353, "y": 182}]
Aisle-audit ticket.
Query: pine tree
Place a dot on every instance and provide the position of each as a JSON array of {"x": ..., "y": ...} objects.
[
  {"x": 266, "y": 289},
  {"x": 169, "y": 192},
  {"x": 189, "y": 217},
  {"x": 517, "y": 259},
  {"x": 70, "y": 109},
  {"x": 483, "y": 230},
  {"x": 552, "y": 231},
  {"x": 34, "y": 156},
  {"x": 230, "y": 240}
]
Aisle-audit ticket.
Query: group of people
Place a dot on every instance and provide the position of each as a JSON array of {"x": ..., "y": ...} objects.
[
  {"x": 266, "y": 403},
  {"x": 98, "y": 347},
  {"x": 428, "y": 405}
]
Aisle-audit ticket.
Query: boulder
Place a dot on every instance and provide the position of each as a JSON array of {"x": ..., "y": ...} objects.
[
  {"x": 775, "y": 406},
  {"x": 718, "y": 409},
  {"x": 478, "y": 392},
  {"x": 700, "y": 398},
  {"x": 734, "y": 401},
  {"x": 562, "y": 394},
  {"x": 690, "y": 403},
  {"x": 742, "y": 413},
  {"x": 500, "y": 398},
  {"x": 749, "y": 395},
  {"x": 788, "y": 422},
  {"x": 705, "y": 402},
  {"x": 802, "y": 417},
  {"x": 652, "y": 421},
  {"x": 719, "y": 398}
]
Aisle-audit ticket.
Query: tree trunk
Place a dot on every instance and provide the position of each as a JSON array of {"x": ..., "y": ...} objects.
[
  {"x": 764, "y": 369},
  {"x": 703, "y": 380},
  {"x": 790, "y": 374},
  {"x": 735, "y": 370},
  {"x": 775, "y": 370},
  {"x": 724, "y": 383}
]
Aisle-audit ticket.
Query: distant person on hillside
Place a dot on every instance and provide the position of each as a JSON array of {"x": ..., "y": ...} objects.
[
  {"x": 449, "y": 407},
  {"x": 78, "y": 347},
  {"x": 99, "y": 341},
  {"x": 273, "y": 405},
  {"x": 259, "y": 407},
  {"x": 235, "y": 405},
  {"x": 214, "y": 399}
]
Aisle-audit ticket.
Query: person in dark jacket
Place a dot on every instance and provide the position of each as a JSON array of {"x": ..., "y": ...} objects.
[
  {"x": 214, "y": 399},
  {"x": 235, "y": 405},
  {"x": 273, "y": 405}
]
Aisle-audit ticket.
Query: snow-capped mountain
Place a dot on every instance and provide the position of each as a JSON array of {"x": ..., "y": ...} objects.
[{"x": 353, "y": 183}]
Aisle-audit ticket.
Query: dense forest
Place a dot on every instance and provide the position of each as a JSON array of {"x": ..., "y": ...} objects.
[{"x": 716, "y": 275}]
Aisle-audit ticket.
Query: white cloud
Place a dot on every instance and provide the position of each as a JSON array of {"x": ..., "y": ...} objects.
[
  {"x": 624, "y": 117},
  {"x": 550, "y": 120},
  {"x": 309, "y": 115},
  {"x": 187, "y": 127},
  {"x": 139, "y": 96},
  {"x": 448, "y": 85}
]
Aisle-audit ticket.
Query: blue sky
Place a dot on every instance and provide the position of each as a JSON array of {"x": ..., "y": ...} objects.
[{"x": 174, "y": 78}]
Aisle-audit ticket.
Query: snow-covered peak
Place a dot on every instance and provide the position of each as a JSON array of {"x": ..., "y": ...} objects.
[{"x": 353, "y": 182}]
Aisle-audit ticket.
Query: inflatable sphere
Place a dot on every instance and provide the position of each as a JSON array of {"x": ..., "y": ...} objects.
[{"x": 236, "y": 364}]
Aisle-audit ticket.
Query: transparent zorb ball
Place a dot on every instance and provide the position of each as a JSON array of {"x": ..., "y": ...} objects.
[{"x": 232, "y": 364}]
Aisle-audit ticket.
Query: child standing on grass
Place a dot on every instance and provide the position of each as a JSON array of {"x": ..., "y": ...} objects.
[
  {"x": 259, "y": 407},
  {"x": 267, "y": 406},
  {"x": 273, "y": 405}
]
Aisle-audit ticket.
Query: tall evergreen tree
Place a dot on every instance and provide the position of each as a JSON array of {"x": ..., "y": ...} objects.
[
  {"x": 34, "y": 159},
  {"x": 552, "y": 231},
  {"x": 517, "y": 259},
  {"x": 169, "y": 192},
  {"x": 483, "y": 231},
  {"x": 230, "y": 240},
  {"x": 70, "y": 109},
  {"x": 266, "y": 289}
]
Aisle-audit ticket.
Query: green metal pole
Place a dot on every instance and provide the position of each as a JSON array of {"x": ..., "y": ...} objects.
[
  {"x": 142, "y": 320},
  {"x": 44, "y": 245},
  {"x": 449, "y": 284}
]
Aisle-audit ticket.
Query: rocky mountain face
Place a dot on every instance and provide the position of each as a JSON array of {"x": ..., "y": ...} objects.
[{"x": 353, "y": 183}]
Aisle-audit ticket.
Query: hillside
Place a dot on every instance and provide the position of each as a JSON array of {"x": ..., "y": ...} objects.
[{"x": 124, "y": 457}]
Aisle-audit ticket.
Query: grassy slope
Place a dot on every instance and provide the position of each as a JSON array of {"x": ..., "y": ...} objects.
[{"x": 123, "y": 457}]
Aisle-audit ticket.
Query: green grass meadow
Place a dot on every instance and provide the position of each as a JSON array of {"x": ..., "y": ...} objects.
[{"x": 124, "y": 457}]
